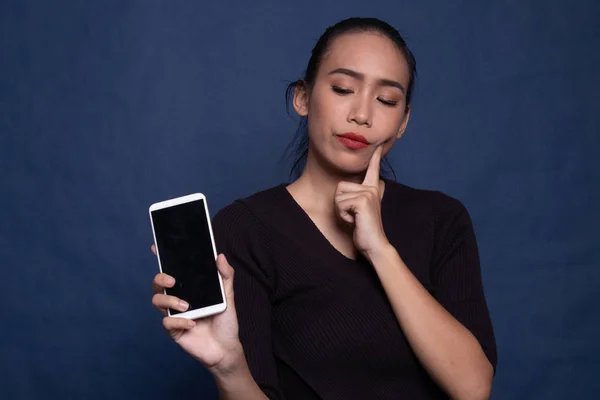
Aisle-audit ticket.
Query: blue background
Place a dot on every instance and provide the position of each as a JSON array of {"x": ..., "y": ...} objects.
[{"x": 106, "y": 107}]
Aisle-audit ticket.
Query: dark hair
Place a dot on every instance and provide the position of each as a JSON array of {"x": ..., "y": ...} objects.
[{"x": 299, "y": 145}]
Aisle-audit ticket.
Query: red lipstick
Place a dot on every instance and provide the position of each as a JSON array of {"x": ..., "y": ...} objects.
[{"x": 353, "y": 140}]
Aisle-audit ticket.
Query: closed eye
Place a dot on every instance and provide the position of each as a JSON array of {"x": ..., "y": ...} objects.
[
  {"x": 390, "y": 103},
  {"x": 341, "y": 90}
]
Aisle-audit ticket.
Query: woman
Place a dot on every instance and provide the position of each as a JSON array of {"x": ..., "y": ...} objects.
[{"x": 348, "y": 285}]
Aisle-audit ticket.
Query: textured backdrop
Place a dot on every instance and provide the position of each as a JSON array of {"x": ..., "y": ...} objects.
[{"x": 106, "y": 107}]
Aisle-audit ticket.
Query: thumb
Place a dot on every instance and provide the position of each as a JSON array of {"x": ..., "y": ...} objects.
[{"x": 226, "y": 271}]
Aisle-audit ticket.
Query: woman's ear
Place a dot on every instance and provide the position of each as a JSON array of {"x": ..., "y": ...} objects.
[
  {"x": 404, "y": 123},
  {"x": 301, "y": 98}
]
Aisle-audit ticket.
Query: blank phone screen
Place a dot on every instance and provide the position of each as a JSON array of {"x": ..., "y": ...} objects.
[{"x": 186, "y": 253}]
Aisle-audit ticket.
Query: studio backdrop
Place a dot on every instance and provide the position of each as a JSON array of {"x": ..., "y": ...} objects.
[{"x": 109, "y": 106}]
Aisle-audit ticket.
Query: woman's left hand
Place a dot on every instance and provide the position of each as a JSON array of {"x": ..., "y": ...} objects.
[{"x": 360, "y": 206}]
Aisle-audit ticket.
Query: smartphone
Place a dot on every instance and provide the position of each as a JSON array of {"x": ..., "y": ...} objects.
[{"x": 185, "y": 248}]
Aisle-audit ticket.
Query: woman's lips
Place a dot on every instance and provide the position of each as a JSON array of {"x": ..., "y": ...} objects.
[
  {"x": 353, "y": 141},
  {"x": 352, "y": 144}
]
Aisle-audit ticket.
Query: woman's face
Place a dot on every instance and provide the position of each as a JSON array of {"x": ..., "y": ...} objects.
[{"x": 359, "y": 89}]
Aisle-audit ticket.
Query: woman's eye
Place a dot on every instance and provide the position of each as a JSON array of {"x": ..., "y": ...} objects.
[
  {"x": 390, "y": 103},
  {"x": 341, "y": 90}
]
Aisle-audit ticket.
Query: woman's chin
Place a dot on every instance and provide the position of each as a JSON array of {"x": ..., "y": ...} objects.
[
  {"x": 344, "y": 164},
  {"x": 349, "y": 168}
]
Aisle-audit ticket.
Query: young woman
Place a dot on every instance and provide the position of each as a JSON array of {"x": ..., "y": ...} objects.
[{"x": 347, "y": 285}]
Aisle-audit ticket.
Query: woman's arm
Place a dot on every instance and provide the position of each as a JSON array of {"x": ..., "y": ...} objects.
[
  {"x": 448, "y": 351},
  {"x": 237, "y": 383},
  {"x": 253, "y": 372}
]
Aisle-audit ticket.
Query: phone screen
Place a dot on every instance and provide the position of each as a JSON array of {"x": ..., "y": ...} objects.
[{"x": 186, "y": 253}]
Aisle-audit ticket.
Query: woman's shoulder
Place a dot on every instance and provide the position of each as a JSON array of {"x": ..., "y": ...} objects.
[
  {"x": 446, "y": 214},
  {"x": 246, "y": 211},
  {"x": 434, "y": 201},
  {"x": 253, "y": 224}
]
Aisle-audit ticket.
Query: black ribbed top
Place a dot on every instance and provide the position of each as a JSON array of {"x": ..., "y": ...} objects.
[{"x": 316, "y": 324}]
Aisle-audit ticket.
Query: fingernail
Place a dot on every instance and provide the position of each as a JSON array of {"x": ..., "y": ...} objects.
[
  {"x": 191, "y": 323},
  {"x": 169, "y": 281},
  {"x": 183, "y": 305}
]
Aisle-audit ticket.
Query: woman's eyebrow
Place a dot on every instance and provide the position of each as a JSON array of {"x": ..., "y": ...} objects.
[{"x": 359, "y": 76}]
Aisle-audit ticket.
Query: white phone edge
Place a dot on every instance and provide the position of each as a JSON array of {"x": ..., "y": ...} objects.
[{"x": 200, "y": 312}]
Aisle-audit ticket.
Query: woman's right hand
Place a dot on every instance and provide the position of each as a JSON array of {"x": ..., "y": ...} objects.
[{"x": 212, "y": 340}]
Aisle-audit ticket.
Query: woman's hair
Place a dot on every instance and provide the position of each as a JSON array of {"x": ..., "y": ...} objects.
[{"x": 299, "y": 145}]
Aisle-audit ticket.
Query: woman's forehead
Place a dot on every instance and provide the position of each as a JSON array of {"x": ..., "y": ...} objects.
[{"x": 369, "y": 53}]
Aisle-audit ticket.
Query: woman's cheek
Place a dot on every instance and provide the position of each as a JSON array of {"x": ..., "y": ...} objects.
[{"x": 388, "y": 144}]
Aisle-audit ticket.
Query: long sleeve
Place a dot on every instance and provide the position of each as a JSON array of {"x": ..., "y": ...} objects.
[
  {"x": 456, "y": 274},
  {"x": 315, "y": 324},
  {"x": 233, "y": 227}
]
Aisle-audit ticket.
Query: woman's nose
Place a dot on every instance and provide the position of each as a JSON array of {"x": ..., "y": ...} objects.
[{"x": 360, "y": 112}]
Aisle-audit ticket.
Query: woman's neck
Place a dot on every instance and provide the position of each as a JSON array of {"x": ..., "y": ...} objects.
[{"x": 315, "y": 189}]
